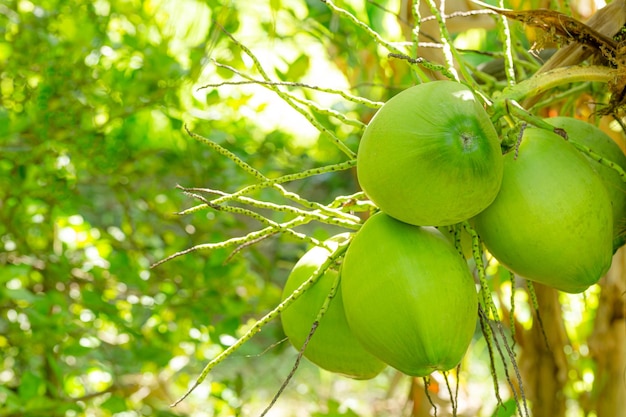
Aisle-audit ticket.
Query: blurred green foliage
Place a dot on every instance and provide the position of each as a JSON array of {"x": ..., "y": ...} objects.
[{"x": 94, "y": 98}]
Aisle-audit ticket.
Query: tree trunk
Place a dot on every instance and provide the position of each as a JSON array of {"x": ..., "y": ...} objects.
[
  {"x": 607, "y": 343},
  {"x": 542, "y": 362}
]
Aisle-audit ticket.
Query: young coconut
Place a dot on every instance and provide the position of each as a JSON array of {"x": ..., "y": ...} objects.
[
  {"x": 333, "y": 346},
  {"x": 552, "y": 221},
  {"x": 430, "y": 156},
  {"x": 586, "y": 134},
  {"x": 409, "y": 296}
]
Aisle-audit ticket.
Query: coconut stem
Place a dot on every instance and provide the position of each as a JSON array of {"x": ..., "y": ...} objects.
[
  {"x": 316, "y": 323},
  {"x": 264, "y": 320},
  {"x": 542, "y": 82}
]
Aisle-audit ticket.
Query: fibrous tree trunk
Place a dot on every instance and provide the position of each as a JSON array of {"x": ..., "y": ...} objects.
[
  {"x": 607, "y": 343},
  {"x": 542, "y": 362}
]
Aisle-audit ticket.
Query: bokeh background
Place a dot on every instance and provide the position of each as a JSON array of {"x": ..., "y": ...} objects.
[{"x": 94, "y": 99}]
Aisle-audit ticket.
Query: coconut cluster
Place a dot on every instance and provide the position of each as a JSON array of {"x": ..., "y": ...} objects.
[{"x": 431, "y": 158}]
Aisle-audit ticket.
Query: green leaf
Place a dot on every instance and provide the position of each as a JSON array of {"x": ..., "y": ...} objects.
[
  {"x": 297, "y": 69},
  {"x": 115, "y": 404},
  {"x": 31, "y": 386},
  {"x": 507, "y": 409},
  {"x": 20, "y": 294}
]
